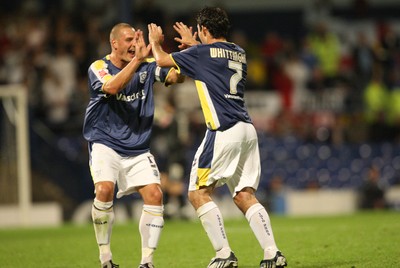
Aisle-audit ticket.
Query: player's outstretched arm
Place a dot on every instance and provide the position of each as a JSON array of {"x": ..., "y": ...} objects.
[
  {"x": 155, "y": 36},
  {"x": 188, "y": 38}
]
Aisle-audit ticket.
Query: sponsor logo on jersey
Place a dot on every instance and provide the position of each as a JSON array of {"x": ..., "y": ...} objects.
[
  {"x": 102, "y": 73},
  {"x": 130, "y": 98},
  {"x": 228, "y": 96}
]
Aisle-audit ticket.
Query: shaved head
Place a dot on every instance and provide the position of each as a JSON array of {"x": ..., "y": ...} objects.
[{"x": 116, "y": 30}]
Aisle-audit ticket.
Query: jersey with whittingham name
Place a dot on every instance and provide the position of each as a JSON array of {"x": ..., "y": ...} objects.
[
  {"x": 123, "y": 121},
  {"x": 219, "y": 71}
]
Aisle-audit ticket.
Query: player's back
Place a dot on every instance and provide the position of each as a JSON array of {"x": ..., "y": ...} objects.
[{"x": 219, "y": 71}]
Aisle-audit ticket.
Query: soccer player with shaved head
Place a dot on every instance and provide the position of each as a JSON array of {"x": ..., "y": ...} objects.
[{"x": 117, "y": 126}]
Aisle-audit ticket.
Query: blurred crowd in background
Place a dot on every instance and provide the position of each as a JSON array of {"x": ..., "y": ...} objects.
[{"x": 332, "y": 73}]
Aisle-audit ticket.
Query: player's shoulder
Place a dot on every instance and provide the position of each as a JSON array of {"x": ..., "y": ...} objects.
[
  {"x": 148, "y": 63},
  {"x": 229, "y": 45},
  {"x": 100, "y": 63}
]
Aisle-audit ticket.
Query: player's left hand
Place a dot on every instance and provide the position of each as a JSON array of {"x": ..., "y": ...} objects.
[
  {"x": 141, "y": 50},
  {"x": 188, "y": 38}
]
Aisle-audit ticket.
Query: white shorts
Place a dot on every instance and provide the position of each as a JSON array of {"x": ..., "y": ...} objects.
[
  {"x": 127, "y": 172},
  {"x": 231, "y": 156}
]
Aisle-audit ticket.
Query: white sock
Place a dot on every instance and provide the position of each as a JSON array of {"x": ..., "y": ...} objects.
[
  {"x": 150, "y": 226},
  {"x": 213, "y": 224},
  {"x": 260, "y": 223},
  {"x": 103, "y": 219}
]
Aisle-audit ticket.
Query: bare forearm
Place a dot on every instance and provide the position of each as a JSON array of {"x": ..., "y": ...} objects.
[
  {"x": 155, "y": 38},
  {"x": 121, "y": 79},
  {"x": 162, "y": 58}
]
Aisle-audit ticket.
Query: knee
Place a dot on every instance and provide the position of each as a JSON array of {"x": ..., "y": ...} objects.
[
  {"x": 152, "y": 195},
  {"x": 244, "y": 199},
  {"x": 105, "y": 191},
  {"x": 157, "y": 196},
  {"x": 198, "y": 198},
  {"x": 239, "y": 198}
]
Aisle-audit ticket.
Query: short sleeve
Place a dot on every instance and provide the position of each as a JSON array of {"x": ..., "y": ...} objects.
[{"x": 186, "y": 61}]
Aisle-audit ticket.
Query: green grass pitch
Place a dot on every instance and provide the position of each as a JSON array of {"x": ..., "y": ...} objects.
[{"x": 362, "y": 240}]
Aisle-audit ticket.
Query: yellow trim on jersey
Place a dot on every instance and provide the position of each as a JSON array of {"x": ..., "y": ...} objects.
[
  {"x": 166, "y": 78},
  {"x": 207, "y": 106},
  {"x": 149, "y": 59},
  {"x": 202, "y": 174},
  {"x": 176, "y": 65}
]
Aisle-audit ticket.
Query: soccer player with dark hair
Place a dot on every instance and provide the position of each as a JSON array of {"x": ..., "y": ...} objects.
[
  {"x": 229, "y": 152},
  {"x": 117, "y": 126}
]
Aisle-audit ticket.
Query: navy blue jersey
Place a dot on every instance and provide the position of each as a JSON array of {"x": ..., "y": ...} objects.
[
  {"x": 219, "y": 71},
  {"x": 123, "y": 121}
]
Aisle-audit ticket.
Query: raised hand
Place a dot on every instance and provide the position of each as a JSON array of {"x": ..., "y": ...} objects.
[
  {"x": 141, "y": 50},
  {"x": 188, "y": 38},
  {"x": 155, "y": 33}
]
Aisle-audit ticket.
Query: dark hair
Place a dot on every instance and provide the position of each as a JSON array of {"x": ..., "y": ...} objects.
[{"x": 215, "y": 20}]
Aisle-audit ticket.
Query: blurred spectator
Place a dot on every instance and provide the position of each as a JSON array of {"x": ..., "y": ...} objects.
[
  {"x": 256, "y": 68},
  {"x": 316, "y": 11},
  {"x": 372, "y": 194},
  {"x": 271, "y": 49},
  {"x": 316, "y": 82},
  {"x": 36, "y": 30},
  {"x": 325, "y": 45},
  {"x": 312, "y": 185},
  {"x": 56, "y": 98},
  {"x": 298, "y": 73},
  {"x": 393, "y": 107},
  {"x": 64, "y": 65},
  {"x": 388, "y": 49},
  {"x": 307, "y": 55},
  {"x": 77, "y": 107},
  {"x": 168, "y": 150},
  {"x": 277, "y": 195},
  {"x": 283, "y": 84},
  {"x": 58, "y": 85},
  {"x": 13, "y": 63},
  {"x": 375, "y": 97},
  {"x": 80, "y": 53},
  {"x": 364, "y": 60}
]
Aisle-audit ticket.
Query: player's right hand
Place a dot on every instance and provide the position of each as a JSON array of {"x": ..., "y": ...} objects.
[{"x": 155, "y": 33}]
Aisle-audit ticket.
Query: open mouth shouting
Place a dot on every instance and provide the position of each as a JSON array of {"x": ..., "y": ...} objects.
[{"x": 131, "y": 52}]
